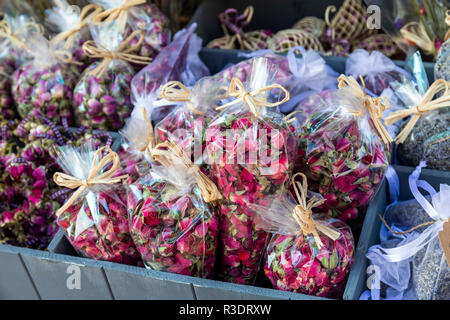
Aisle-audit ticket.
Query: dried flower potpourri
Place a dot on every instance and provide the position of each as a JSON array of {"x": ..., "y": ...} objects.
[
  {"x": 95, "y": 218},
  {"x": 173, "y": 224},
  {"x": 249, "y": 149},
  {"x": 344, "y": 150},
  {"x": 308, "y": 253},
  {"x": 44, "y": 85},
  {"x": 137, "y": 15},
  {"x": 102, "y": 96}
]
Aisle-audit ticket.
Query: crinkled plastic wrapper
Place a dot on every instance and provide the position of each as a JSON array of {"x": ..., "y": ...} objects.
[
  {"x": 342, "y": 155},
  {"x": 96, "y": 224},
  {"x": 294, "y": 262},
  {"x": 44, "y": 85},
  {"x": 103, "y": 101},
  {"x": 179, "y": 61},
  {"x": 173, "y": 228},
  {"x": 377, "y": 70},
  {"x": 249, "y": 158}
]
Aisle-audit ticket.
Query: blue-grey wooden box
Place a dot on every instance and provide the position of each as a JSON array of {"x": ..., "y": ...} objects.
[
  {"x": 370, "y": 234},
  {"x": 21, "y": 268}
]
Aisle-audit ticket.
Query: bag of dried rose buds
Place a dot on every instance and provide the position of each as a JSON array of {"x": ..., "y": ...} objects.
[
  {"x": 179, "y": 61},
  {"x": 44, "y": 85},
  {"x": 14, "y": 30},
  {"x": 187, "y": 123},
  {"x": 344, "y": 150},
  {"x": 173, "y": 222},
  {"x": 13, "y": 53},
  {"x": 102, "y": 96},
  {"x": 249, "y": 149},
  {"x": 94, "y": 217},
  {"x": 377, "y": 70},
  {"x": 70, "y": 23},
  {"x": 137, "y": 15},
  {"x": 309, "y": 253}
]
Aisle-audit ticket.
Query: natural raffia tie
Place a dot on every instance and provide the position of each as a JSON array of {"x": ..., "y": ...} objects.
[
  {"x": 93, "y": 50},
  {"x": 415, "y": 32},
  {"x": 426, "y": 105},
  {"x": 119, "y": 14},
  {"x": 95, "y": 176},
  {"x": 86, "y": 15},
  {"x": 303, "y": 213},
  {"x": 375, "y": 106},
  {"x": 175, "y": 91},
  {"x": 207, "y": 188},
  {"x": 237, "y": 90}
]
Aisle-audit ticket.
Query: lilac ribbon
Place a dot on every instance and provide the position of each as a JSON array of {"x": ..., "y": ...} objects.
[{"x": 439, "y": 211}]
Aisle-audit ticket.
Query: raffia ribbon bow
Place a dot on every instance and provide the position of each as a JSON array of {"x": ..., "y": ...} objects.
[
  {"x": 95, "y": 177},
  {"x": 415, "y": 33},
  {"x": 119, "y": 14},
  {"x": 303, "y": 213},
  {"x": 93, "y": 50},
  {"x": 177, "y": 92},
  {"x": 87, "y": 13},
  {"x": 375, "y": 106},
  {"x": 164, "y": 153},
  {"x": 426, "y": 105},
  {"x": 237, "y": 90}
]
